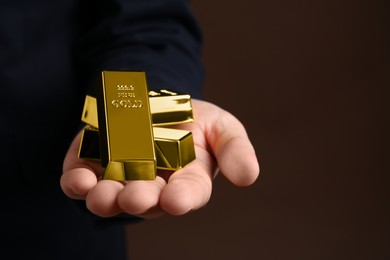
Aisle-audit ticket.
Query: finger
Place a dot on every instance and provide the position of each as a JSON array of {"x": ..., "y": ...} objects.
[
  {"x": 78, "y": 176},
  {"x": 141, "y": 198},
  {"x": 102, "y": 198},
  {"x": 76, "y": 183},
  {"x": 233, "y": 150},
  {"x": 190, "y": 187}
]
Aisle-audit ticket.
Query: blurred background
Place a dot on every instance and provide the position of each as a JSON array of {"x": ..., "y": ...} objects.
[{"x": 310, "y": 81}]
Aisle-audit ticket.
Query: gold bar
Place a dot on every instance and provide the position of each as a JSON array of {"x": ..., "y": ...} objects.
[
  {"x": 167, "y": 108},
  {"x": 125, "y": 127},
  {"x": 89, "y": 115},
  {"x": 174, "y": 148}
]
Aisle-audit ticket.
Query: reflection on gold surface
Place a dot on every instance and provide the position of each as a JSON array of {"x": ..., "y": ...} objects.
[{"x": 174, "y": 148}]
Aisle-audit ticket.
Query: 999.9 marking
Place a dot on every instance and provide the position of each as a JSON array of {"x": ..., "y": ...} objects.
[{"x": 125, "y": 87}]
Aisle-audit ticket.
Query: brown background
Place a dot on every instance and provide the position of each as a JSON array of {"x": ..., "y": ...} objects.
[{"x": 309, "y": 80}]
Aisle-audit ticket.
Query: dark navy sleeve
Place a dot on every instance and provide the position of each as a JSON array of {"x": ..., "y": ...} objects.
[{"x": 160, "y": 37}]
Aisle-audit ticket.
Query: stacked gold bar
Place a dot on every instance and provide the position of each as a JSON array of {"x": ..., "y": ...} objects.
[
  {"x": 122, "y": 129},
  {"x": 169, "y": 108}
]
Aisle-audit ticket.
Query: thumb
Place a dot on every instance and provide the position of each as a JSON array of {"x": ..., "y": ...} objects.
[{"x": 232, "y": 148}]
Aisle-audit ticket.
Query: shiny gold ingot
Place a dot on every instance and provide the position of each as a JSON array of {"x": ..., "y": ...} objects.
[
  {"x": 167, "y": 108},
  {"x": 174, "y": 148},
  {"x": 125, "y": 127},
  {"x": 89, "y": 114}
]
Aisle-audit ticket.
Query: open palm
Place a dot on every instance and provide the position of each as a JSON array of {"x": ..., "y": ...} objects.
[{"x": 221, "y": 145}]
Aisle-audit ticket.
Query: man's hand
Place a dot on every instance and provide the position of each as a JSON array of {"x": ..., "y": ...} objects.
[{"x": 221, "y": 144}]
